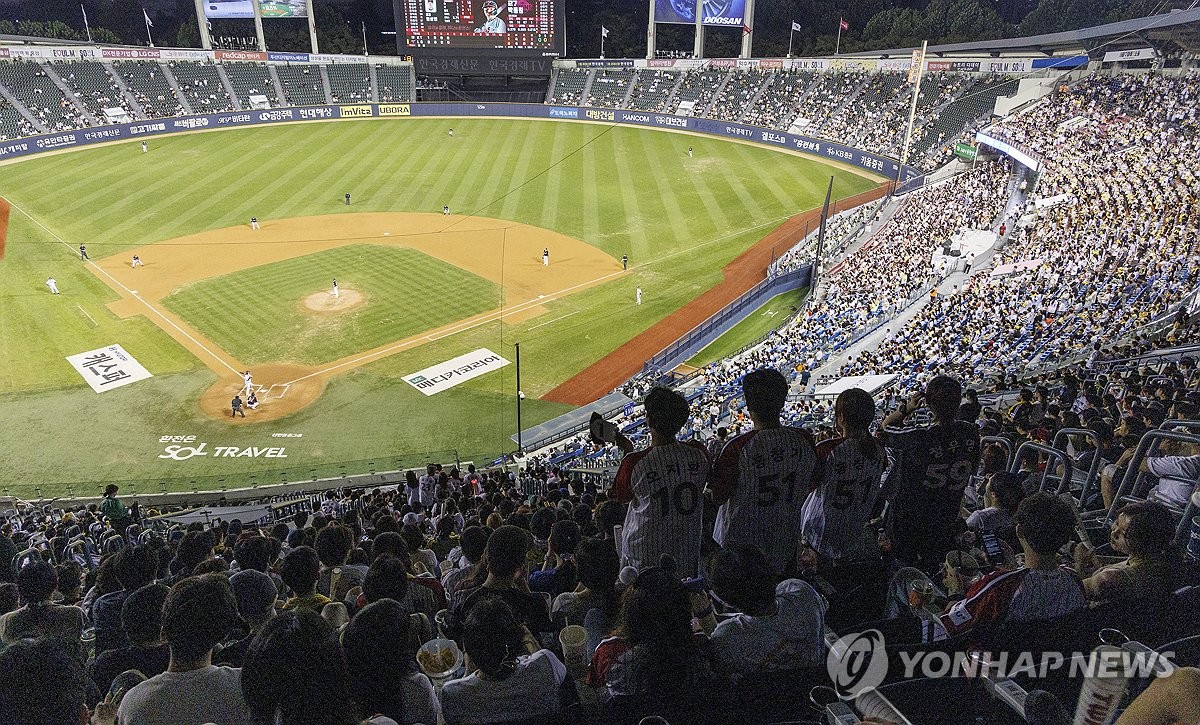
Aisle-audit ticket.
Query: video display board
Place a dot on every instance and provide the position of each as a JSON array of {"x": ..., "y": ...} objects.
[
  {"x": 530, "y": 26},
  {"x": 713, "y": 12}
]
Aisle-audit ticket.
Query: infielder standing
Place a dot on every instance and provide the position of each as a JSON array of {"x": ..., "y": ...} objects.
[
  {"x": 254, "y": 222},
  {"x": 248, "y": 379},
  {"x": 546, "y": 257},
  {"x": 762, "y": 476},
  {"x": 83, "y": 253},
  {"x": 53, "y": 285},
  {"x": 664, "y": 487},
  {"x": 624, "y": 262},
  {"x": 639, "y": 295},
  {"x": 335, "y": 288}
]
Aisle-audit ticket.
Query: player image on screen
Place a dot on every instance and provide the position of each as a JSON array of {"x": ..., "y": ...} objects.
[{"x": 495, "y": 24}]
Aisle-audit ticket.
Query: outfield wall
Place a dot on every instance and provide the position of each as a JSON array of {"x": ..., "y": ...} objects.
[{"x": 909, "y": 177}]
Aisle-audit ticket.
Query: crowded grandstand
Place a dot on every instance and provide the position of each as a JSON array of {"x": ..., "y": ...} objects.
[{"x": 977, "y": 440}]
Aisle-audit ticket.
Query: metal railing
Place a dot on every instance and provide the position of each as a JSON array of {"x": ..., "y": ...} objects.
[
  {"x": 1092, "y": 477},
  {"x": 1048, "y": 477},
  {"x": 1134, "y": 484}
]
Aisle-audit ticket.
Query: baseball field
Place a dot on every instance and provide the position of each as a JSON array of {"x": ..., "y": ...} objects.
[{"x": 416, "y": 287}]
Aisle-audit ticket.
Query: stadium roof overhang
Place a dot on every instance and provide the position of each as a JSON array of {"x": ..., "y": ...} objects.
[{"x": 1181, "y": 28}]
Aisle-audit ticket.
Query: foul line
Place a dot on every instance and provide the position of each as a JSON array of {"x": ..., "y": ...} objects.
[
  {"x": 85, "y": 314},
  {"x": 460, "y": 327},
  {"x": 556, "y": 319},
  {"x": 135, "y": 295}
]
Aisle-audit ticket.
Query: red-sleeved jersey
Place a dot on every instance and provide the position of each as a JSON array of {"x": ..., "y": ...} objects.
[
  {"x": 664, "y": 487},
  {"x": 840, "y": 505},
  {"x": 760, "y": 481},
  {"x": 1019, "y": 595}
]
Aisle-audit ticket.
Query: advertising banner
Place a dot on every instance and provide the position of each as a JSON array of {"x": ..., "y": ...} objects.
[
  {"x": 3, "y": 52},
  {"x": 896, "y": 64},
  {"x": 29, "y": 52},
  {"x": 966, "y": 151},
  {"x": 394, "y": 109},
  {"x": 151, "y": 53},
  {"x": 1019, "y": 65},
  {"x": 358, "y": 111},
  {"x": 960, "y": 66},
  {"x": 604, "y": 64},
  {"x": 332, "y": 58},
  {"x": 852, "y": 64},
  {"x": 288, "y": 57},
  {"x": 443, "y": 376},
  {"x": 166, "y": 54},
  {"x": 108, "y": 368},
  {"x": 243, "y": 9},
  {"x": 247, "y": 55},
  {"x": 283, "y": 8},
  {"x": 728, "y": 13},
  {"x": 817, "y": 64},
  {"x": 1119, "y": 56},
  {"x": 660, "y": 63}
]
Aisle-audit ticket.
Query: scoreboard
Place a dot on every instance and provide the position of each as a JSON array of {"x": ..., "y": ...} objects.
[{"x": 481, "y": 36}]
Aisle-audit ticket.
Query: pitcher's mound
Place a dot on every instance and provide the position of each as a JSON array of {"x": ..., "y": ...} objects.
[{"x": 326, "y": 303}]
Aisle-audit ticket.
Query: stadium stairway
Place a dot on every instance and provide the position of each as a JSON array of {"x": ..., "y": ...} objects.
[
  {"x": 326, "y": 85},
  {"x": 129, "y": 97},
  {"x": 21, "y": 109},
  {"x": 237, "y": 102},
  {"x": 753, "y": 100},
  {"x": 374, "y": 83},
  {"x": 703, "y": 112},
  {"x": 275, "y": 82},
  {"x": 69, "y": 94},
  {"x": 174, "y": 83},
  {"x": 586, "y": 93},
  {"x": 633, "y": 81},
  {"x": 674, "y": 91}
]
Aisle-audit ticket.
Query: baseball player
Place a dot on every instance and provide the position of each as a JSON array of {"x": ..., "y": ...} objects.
[
  {"x": 335, "y": 288},
  {"x": 445, "y": 211},
  {"x": 236, "y": 403},
  {"x": 137, "y": 262},
  {"x": 53, "y": 285},
  {"x": 664, "y": 487},
  {"x": 494, "y": 24},
  {"x": 624, "y": 262},
  {"x": 639, "y": 295},
  {"x": 347, "y": 200},
  {"x": 254, "y": 222},
  {"x": 83, "y": 253},
  {"x": 248, "y": 379},
  {"x": 451, "y": 133},
  {"x": 689, "y": 152},
  {"x": 846, "y": 481},
  {"x": 546, "y": 257},
  {"x": 762, "y": 476},
  {"x": 144, "y": 149}
]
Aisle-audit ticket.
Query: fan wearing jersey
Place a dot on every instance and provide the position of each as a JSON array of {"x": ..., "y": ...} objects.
[
  {"x": 428, "y": 485},
  {"x": 664, "y": 487},
  {"x": 932, "y": 466},
  {"x": 761, "y": 477},
  {"x": 847, "y": 482}
]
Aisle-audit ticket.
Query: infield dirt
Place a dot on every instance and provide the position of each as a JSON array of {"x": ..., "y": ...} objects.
[{"x": 504, "y": 252}]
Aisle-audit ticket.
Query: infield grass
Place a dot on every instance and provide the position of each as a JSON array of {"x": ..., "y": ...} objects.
[
  {"x": 256, "y": 314},
  {"x": 624, "y": 190}
]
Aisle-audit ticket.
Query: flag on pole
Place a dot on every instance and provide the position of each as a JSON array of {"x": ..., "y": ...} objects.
[
  {"x": 746, "y": 30},
  {"x": 796, "y": 26},
  {"x": 149, "y": 22},
  {"x": 86, "y": 27},
  {"x": 603, "y": 32},
  {"x": 843, "y": 25}
]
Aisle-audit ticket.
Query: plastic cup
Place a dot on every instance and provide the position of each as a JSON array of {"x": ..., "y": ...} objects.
[
  {"x": 873, "y": 703},
  {"x": 573, "y": 639},
  {"x": 920, "y": 592},
  {"x": 1103, "y": 689}
]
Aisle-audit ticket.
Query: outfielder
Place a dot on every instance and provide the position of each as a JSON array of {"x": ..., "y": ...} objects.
[
  {"x": 639, "y": 295},
  {"x": 143, "y": 147},
  {"x": 53, "y": 285}
]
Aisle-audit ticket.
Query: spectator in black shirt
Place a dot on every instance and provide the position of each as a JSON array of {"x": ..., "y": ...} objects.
[
  {"x": 507, "y": 579},
  {"x": 147, "y": 652}
]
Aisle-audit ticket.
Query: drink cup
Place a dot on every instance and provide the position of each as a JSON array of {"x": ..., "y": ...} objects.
[
  {"x": 873, "y": 703},
  {"x": 920, "y": 592},
  {"x": 1104, "y": 687},
  {"x": 573, "y": 639}
]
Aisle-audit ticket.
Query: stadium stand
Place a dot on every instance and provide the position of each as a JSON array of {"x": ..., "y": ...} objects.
[
  {"x": 34, "y": 89},
  {"x": 12, "y": 124},
  {"x": 301, "y": 84},
  {"x": 830, "y": 91},
  {"x": 349, "y": 82},
  {"x": 395, "y": 84},
  {"x": 93, "y": 86},
  {"x": 251, "y": 79},
  {"x": 652, "y": 89},
  {"x": 609, "y": 88},
  {"x": 568, "y": 86},
  {"x": 776, "y": 106},
  {"x": 967, "y": 112},
  {"x": 699, "y": 87},
  {"x": 201, "y": 84},
  {"x": 149, "y": 85},
  {"x": 738, "y": 92}
]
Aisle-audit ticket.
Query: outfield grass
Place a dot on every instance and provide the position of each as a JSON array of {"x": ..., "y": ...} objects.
[
  {"x": 624, "y": 190},
  {"x": 766, "y": 318},
  {"x": 256, "y": 315}
]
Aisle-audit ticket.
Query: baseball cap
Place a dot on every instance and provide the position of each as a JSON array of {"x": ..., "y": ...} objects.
[
  {"x": 413, "y": 519},
  {"x": 255, "y": 592}
]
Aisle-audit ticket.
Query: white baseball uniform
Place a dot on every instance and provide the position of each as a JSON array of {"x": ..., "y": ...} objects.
[
  {"x": 52, "y": 285},
  {"x": 664, "y": 486}
]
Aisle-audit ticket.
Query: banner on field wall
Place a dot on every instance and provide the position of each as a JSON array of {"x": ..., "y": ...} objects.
[
  {"x": 1120, "y": 56},
  {"x": 108, "y": 368},
  {"x": 874, "y": 163},
  {"x": 247, "y": 55},
  {"x": 443, "y": 376}
]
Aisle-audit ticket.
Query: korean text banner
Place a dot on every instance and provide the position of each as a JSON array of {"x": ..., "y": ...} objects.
[
  {"x": 730, "y": 13},
  {"x": 446, "y": 375},
  {"x": 218, "y": 9},
  {"x": 108, "y": 368}
]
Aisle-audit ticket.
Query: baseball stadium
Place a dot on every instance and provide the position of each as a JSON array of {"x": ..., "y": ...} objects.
[{"x": 241, "y": 287}]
